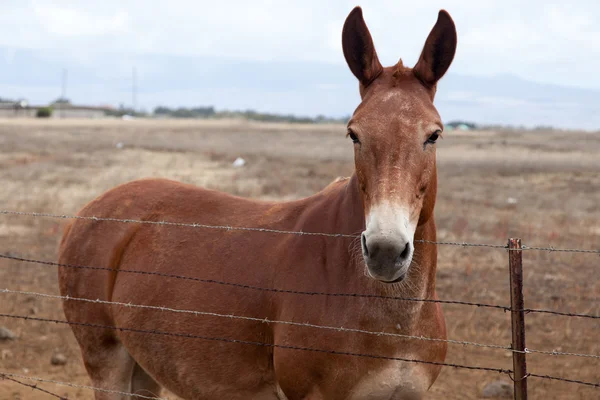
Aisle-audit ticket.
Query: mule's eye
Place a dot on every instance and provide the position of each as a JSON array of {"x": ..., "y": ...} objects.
[
  {"x": 434, "y": 136},
  {"x": 353, "y": 136}
]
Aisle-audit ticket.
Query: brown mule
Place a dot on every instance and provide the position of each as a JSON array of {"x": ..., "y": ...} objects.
[{"x": 390, "y": 199}]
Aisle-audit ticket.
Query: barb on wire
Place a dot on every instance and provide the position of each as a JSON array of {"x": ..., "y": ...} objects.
[
  {"x": 520, "y": 379},
  {"x": 251, "y": 287},
  {"x": 9, "y": 377},
  {"x": 566, "y": 314},
  {"x": 263, "y": 344},
  {"x": 253, "y": 319},
  {"x": 556, "y": 378}
]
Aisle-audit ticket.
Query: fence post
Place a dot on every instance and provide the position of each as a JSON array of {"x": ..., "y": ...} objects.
[{"x": 515, "y": 266}]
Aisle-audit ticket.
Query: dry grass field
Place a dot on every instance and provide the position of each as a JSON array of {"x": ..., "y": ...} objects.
[{"x": 551, "y": 177}]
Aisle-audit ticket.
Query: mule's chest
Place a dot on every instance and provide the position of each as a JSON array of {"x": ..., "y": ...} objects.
[
  {"x": 393, "y": 380},
  {"x": 397, "y": 381}
]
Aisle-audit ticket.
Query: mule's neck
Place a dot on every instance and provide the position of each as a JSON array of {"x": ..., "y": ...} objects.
[{"x": 350, "y": 209}]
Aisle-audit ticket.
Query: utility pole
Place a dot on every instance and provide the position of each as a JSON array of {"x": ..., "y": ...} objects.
[
  {"x": 134, "y": 89},
  {"x": 64, "y": 84},
  {"x": 63, "y": 95}
]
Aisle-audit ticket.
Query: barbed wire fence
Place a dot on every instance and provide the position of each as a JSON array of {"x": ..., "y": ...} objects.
[
  {"x": 11, "y": 377},
  {"x": 519, "y": 374}
]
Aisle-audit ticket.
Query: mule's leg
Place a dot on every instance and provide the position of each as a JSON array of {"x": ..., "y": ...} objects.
[
  {"x": 143, "y": 384},
  {"x": 109, "y": 366}
]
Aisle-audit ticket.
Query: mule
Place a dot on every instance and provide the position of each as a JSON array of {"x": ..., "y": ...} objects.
[{"x": 388, "y": 202}]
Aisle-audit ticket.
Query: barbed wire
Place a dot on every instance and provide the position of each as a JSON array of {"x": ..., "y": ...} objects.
[
  {"x": 556, "y": 378},
  {"x": 290, "y": 347},
  {"x": 8, "y": 377},
  {"x": 280, "y": 231},
  {"x": 553, "y": 249},
  {"x": 263, "y": 344},
  {"x": 254, "y": 319},
  {"x": 243, "y": 286},
  {"x": 566, "y": 314},
  {"x": 465, "y": 244},
  {"x": 557, "y": 353},
  {"x": 74, "y": 385},
  {"x": 299, "y": 292},
  {"x": 182, "y": 224},
  {"x": 304, "y": 324}
]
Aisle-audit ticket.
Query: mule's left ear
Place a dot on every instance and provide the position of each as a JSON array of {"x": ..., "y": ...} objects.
[
  {"x": 438, "y": 51},
  {"x": 359, "y": 49}
]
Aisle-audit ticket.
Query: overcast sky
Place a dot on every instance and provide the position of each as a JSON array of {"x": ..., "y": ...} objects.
[{"x": 543, "y": 41}]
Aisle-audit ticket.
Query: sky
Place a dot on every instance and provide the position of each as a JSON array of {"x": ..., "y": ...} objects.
[{"x": 228, "y": 49}]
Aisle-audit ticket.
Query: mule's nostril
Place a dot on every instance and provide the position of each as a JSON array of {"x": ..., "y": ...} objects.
[
  {"x": 405, "y": 253},
  {"x": 364, "y": 245}
]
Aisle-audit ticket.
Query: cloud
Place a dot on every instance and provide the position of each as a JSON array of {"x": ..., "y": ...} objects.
[
  {"x": 544, "y": 40},
  {"x": 69, "y": 22},
  {"x": 229, "y": 52},
  {"x": 302, "y": 30}
]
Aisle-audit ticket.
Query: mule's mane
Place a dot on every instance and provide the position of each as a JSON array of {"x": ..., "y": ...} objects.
[
  {"x": 340, "y": 179},
  {"x": 337, "y": 181},
  {"x": 400, "y": 71}
]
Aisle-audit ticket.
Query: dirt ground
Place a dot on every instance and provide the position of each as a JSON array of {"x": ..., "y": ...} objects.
[{"x": 542, "y": 186}]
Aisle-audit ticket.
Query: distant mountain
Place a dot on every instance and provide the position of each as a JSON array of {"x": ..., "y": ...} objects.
[
  {"x": 508, "y": 99},
  {"x": 301, "y": 88}
]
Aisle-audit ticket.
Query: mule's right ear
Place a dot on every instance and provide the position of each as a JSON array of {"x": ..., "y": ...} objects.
[
  {"x": 438, "y": 51},
  {"x": 359, "y": 50}
]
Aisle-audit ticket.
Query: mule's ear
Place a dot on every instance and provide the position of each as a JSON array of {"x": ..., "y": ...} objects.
[
  {"x": 438, "y": 51},
  {"x": 359, "y": 50}
]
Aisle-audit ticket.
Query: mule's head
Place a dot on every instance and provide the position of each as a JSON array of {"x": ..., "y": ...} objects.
[{"x": 394, "y": 130}]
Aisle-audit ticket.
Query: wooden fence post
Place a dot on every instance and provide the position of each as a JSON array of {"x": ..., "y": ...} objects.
[{"x": 515, "y": 266}]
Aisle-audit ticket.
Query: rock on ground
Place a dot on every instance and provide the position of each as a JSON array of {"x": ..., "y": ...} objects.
[
  {"x": 6, "y": 334},
  {"x": 500, "y": 389},
  {"x": 58, "y": 359}
]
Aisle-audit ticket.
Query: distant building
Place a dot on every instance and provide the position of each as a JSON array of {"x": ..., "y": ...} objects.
[
  {"x": 460, "y": 125},
  {"x": 72, "y": 111},
  {"x": 59, "y": 110},
  {"x": 9, "y": 109}
]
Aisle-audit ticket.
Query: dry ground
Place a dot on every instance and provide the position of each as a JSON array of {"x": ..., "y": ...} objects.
[{"x": 57, "y": 166}]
